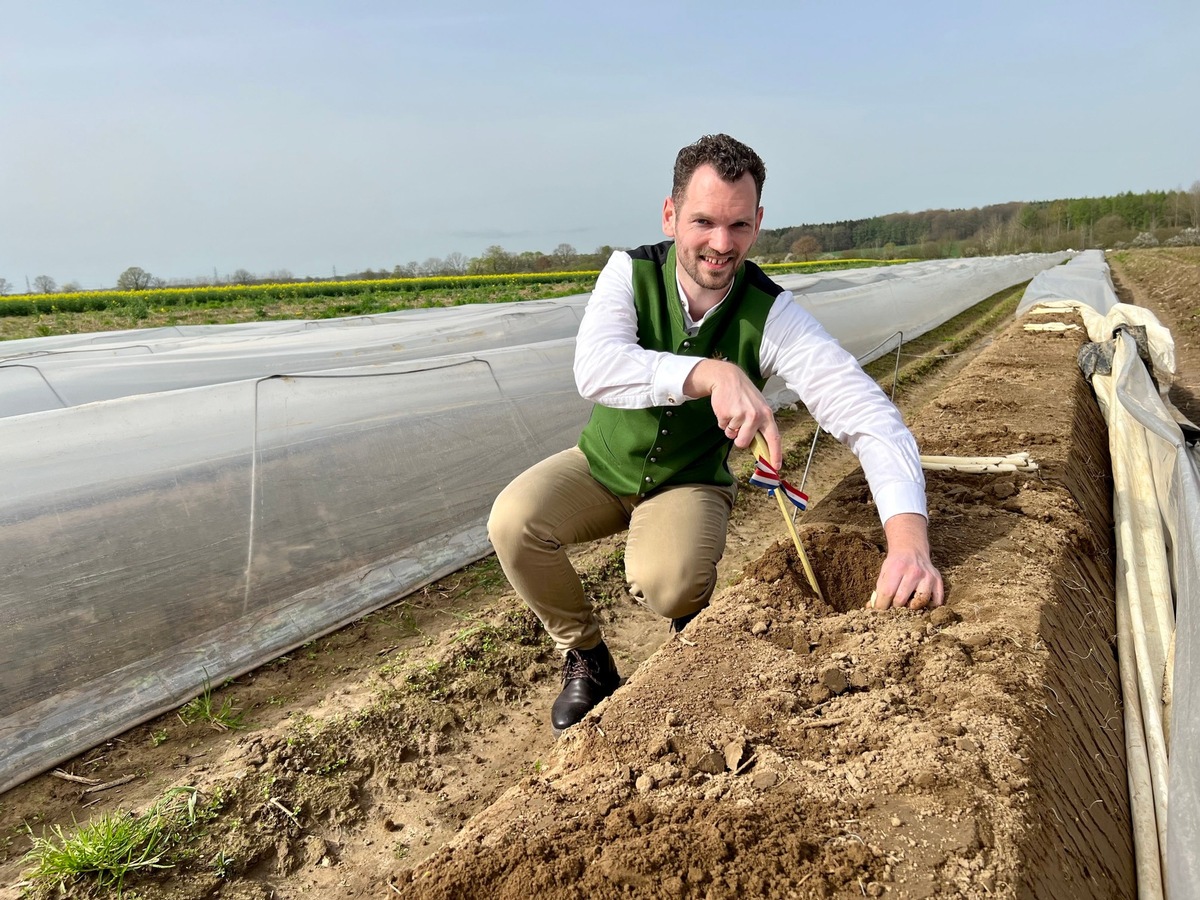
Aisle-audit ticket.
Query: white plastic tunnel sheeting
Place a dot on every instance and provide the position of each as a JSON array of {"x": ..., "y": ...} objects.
[
  {"x": 182, "y": 505},
  {"x": 55, "y": 372},
  {"x": 864, "y": 308},
  {"x": 1156, "y": 506}
]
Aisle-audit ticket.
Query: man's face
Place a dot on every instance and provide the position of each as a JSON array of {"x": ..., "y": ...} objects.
[{"x": 714, "y": 227}]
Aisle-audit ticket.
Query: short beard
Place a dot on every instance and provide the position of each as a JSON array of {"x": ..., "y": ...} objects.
[{"x": 710, "y": 281}]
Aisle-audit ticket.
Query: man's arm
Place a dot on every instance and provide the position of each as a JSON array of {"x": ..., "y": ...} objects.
[{"x": 846, "y": 402}]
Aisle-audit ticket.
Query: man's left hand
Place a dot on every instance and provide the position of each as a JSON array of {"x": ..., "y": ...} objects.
[{"x": 908, "y": 577}]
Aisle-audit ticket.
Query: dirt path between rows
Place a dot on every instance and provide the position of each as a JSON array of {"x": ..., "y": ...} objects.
[{"x": 790, "y": 747}]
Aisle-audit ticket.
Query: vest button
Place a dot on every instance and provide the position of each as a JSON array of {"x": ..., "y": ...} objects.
[
  {"x": 669, "y": 413},
  {"x": 647, "y": 479},
  {"x": 664, "y": 431},
  {"x": 658, "y": 449},
  {"x": 687, "y": 345},
  {"x": 654, "y": 459}
]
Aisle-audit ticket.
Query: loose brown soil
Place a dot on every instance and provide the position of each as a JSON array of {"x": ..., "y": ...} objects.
[{"x": 784, "y": 746}]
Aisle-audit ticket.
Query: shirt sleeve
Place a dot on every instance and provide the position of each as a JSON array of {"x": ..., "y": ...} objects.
[
  {"x": 847, "y": 403},
  {"x": 611, "y": 367}
]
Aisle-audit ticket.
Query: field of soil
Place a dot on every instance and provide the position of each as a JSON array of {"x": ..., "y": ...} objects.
[{"x": 783, "y": 746}]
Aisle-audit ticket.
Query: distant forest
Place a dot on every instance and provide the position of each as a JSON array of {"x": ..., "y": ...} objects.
[{"x": 1147, "y": 219}]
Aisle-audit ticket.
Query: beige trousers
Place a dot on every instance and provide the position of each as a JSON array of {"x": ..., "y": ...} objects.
[{"x": 676, "y": 537}]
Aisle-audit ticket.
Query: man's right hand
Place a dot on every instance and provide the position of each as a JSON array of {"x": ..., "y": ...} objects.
[{"x": 740, "y": 407}]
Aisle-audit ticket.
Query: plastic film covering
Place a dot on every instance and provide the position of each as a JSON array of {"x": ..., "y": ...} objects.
[
  {"x": 179, "y": 504},
  {"x": 1176, "y": 483},
  {"x": 1085, "y": 278},
  {"x": 1157, "y": 504},
  {"x": 153, "y": 539},
  {"x": 57, "y": 372},
  {"x": 864, "y": 308}
]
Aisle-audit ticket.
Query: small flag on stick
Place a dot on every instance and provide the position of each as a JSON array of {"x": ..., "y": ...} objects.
[{"x": 766, "y": 476}]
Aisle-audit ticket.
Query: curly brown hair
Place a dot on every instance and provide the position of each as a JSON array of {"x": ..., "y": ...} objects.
[{"x": 731, "y": 158}]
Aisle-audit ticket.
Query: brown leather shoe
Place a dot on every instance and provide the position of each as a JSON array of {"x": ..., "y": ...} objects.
[{"x": 588, "y": 677}]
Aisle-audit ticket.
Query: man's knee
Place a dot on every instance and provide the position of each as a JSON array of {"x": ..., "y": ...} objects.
[
  {"x": 671, "y": 588},
  {"x": 509, "y": 519}
]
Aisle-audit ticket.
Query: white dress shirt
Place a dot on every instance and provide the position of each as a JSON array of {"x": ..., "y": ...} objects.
[{"x": 612, "y": 369}]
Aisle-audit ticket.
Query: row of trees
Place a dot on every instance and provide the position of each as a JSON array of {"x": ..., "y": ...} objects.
[
  {"x": 1001, "y": 228},
  {"x": 495, "y": 260},
  {"x": 42, "y": 284},
  {"x": 132, "y": 279},
  {"x": 1124, "y": 219}
]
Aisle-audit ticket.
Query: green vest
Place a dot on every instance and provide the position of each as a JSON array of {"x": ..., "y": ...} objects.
[{"x": 636, "y": 451}]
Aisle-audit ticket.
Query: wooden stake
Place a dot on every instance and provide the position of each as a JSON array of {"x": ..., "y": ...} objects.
[{"x": 760, "y": 449}]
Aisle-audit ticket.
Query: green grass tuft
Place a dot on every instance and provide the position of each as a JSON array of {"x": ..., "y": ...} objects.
[
  {"x": 104, "y": 852},
  {"x": 223, "y": 717}
]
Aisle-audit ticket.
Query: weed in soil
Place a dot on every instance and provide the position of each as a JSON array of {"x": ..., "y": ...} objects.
[
  {"x": 100, "y": 855},
  {"x": 204, "y": 708}
]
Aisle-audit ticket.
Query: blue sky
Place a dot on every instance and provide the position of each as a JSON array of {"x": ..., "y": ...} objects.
[{"x": 313, "y": 135}]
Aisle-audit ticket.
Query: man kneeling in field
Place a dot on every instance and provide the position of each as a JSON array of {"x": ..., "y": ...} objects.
[{"x": 675, "y": 346}]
